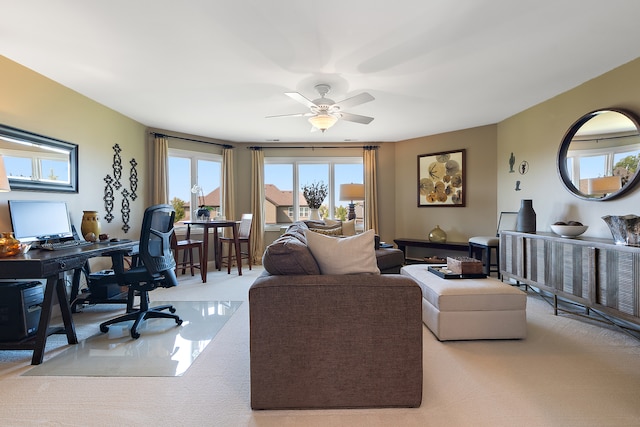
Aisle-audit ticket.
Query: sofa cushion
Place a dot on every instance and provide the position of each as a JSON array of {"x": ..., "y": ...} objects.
[
  {"x": 348, "y": 255},
  {"x": 289, "y": 254}
]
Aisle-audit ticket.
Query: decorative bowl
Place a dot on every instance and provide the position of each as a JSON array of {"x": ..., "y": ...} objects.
[{"x": 569, "y": 230}]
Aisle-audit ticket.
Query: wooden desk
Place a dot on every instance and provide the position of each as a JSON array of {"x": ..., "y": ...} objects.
[
  {"x": 449, "y": 246},
  {"x": 51, "y": 265},
  {"x": 215, "y": 224}
]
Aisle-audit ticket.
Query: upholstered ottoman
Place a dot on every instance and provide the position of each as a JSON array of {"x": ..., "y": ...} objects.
[{"x": 468, "y": 309}]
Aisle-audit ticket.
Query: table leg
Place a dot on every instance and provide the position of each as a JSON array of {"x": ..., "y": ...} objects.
[
  {"x": 236, "y": 240},
  {"x": 205, "y": 254},
  {"x": 218, "y": 249}
]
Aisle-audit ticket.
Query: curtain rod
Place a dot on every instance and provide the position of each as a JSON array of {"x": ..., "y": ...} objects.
[
  {"x": 257, "y": 147},
  {"x": 192, "y": 140}
]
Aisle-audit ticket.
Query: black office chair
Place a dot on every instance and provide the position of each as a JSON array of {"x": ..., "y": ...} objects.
[{"x": 155, "y": 268}]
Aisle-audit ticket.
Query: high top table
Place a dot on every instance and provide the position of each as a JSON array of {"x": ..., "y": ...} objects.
[{"x": 215, "y": 224}]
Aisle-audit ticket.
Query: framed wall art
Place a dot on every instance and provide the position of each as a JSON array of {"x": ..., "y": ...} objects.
[{"x": 441, "y": 179}]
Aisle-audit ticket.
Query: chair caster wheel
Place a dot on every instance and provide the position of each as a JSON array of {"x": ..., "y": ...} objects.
[
  {"x": 179, "y": 321},
  {"x": 104, "y": 328},
  {"x": 135, "y": 335},
  {"x": 172, "y": 309}
]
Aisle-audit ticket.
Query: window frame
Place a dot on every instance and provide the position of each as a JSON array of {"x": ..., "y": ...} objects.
[
  {"x": 296, "y": 161},
  {"x": 193, "y": 157}
]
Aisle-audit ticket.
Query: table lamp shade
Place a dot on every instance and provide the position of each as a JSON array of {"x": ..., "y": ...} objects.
[{"x": 351, "y": 192}]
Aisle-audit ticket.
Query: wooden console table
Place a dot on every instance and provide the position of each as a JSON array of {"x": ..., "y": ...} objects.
[
  {"x": 592, "y": 272},
  {"x": 403, "y": 244}
]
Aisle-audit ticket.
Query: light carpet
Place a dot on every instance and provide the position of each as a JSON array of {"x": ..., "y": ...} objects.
[
  {"x": 163, "y": 349},
  {"x": 569, "y": 372}
]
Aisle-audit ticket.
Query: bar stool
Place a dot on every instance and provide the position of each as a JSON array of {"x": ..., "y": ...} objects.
[
  {"x": 187, "y": 246},
  {"x": 480, "y": 247},
  {"x": 244, "y": 236}
]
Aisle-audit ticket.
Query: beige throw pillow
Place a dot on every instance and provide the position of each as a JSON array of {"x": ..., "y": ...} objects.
[
  {"x": 349, "y": 228},
  {"x": 347, "y": 255}
]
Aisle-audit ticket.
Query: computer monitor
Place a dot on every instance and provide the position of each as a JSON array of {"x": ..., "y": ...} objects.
[{"x": 39, "y": 220}]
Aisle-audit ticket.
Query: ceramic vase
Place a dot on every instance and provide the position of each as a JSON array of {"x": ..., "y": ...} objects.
[
  {"x": 438, "y": 235},
  {"x": 90, "y": 226},
  {"x": 9, "y": 245},
  {"x": 314, "y": 214},
  {"x": 526, "y": 220}
]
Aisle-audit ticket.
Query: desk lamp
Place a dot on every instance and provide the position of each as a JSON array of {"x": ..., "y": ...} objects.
[{"x": 352, "y": 192}]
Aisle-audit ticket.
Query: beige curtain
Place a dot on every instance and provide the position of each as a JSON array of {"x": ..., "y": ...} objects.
[
  {"x": 228, "y": 191},
  {"x": 257, "y": 204},
  {"x": 160, "y": 168},
  {"x": 370, "y": 189}
]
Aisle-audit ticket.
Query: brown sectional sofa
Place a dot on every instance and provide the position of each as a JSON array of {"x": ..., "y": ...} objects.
[{"x": 332, "y": 341}]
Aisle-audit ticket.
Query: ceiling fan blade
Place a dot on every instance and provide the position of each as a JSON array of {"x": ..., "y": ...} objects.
[
  {"x": 290, "y": 115},
  {"x": 301, "y": 99},
  {"x": 354, "y": 100},
  {"x": 356, "y": 118}
]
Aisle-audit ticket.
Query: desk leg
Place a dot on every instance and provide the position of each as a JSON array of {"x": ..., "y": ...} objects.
[
  {"x": 75, "y": 288},
  {"x": 54, "y": 283},
  {"x": 236, "y": 240},
  {"x": 65, "y": 310}
]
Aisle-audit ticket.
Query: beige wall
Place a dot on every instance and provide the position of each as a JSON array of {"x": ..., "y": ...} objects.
[
  {"x": 479, "y": 217},
  {"x": 34, "y": 103},
  {"x": 39, "y": 105},
  {"x": 534, "y": 135}
]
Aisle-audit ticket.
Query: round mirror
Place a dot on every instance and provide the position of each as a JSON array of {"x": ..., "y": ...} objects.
[{"x": 598, "y": 157}]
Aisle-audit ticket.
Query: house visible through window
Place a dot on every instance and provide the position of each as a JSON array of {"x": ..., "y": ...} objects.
[
  {"x": 188, "y": 169},
  {"x": 283, "y": 206}
]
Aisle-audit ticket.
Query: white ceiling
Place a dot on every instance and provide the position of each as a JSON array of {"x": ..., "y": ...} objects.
[{"x": 216, "y": 68}]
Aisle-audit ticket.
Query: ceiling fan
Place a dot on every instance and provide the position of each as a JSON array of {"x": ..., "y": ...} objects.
[{"x": 326, "y": 112}]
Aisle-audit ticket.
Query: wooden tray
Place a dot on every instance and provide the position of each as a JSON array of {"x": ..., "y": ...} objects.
[{"x": 446, "y": 274}]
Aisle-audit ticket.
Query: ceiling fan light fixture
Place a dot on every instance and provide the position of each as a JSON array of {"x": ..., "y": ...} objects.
[{"x": 323, "y": 122}]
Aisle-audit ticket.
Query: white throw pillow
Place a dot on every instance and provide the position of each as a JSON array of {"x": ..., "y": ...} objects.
[{"x": 344, "y": 255}]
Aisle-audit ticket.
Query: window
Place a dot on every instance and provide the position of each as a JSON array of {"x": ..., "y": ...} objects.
[
  {"x": 190, "y": 168},
  {"x": 281, "y": 175}
]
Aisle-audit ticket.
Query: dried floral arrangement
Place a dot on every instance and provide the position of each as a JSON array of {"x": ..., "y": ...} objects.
[{"x": 315, "y": 194}]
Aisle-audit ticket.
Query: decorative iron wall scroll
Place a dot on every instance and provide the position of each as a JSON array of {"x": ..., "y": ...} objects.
[
  {"x": 114, "y": 183},
  {"x": 133, "y": 179},
  {"x": 108, "y": 198},
  {"x": 117, "y": 167}
]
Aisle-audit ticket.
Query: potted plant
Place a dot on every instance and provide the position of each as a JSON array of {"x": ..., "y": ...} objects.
[
  {"x": 202, "y": 213},
  {"x": 314, "y": 194}
]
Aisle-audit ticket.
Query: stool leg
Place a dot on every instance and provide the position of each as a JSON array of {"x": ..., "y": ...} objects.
[{"x": 488, "y": 265}]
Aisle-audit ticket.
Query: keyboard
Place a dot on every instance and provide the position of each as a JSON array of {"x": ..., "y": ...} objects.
[{"x": 67, "y": 244}]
